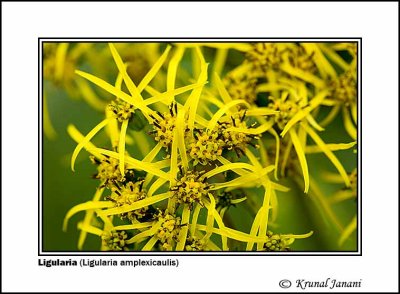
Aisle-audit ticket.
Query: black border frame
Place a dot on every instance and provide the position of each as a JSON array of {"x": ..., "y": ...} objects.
[{"x": 41, "y": 40}]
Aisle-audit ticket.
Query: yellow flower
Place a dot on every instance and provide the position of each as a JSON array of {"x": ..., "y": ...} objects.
[{"x": 178, "y": 204}]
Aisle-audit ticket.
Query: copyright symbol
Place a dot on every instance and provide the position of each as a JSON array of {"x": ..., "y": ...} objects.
[{"x": 285, "y": 284}]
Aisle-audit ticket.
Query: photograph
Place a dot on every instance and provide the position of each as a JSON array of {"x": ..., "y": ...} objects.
[{"x": 219, "y": 145}]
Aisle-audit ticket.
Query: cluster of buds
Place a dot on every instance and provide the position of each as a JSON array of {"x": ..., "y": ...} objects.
[
  {"x": 168, "y": 232},
  {"x": 224, "y": 199},
  {"x": 115, "y": 241},
  {"x": 344, "y": 89},
  {"x": 208, "y": 144},
  {"x": 121, "y": 109},
  {"x": 128, "y": 194},
  {"x": 286, "y": 108},
  {"x": 234, "y": 140},
  {"x": 108, "y": 171},
  {"x": 276, "y": 243},
  {"x": 241, "y": 87},
  {"x": 299, "y": 58},
  {"x": 194, "y": 244},
  {"x": 265, "y": 56},
  {"x": 191, "y": 187},
  {"x": 205, "y": 147},
  {"x": 164, "y": 126}
]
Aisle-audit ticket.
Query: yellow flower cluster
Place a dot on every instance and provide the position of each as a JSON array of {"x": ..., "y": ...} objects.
[{"x": 215, "y": 134}]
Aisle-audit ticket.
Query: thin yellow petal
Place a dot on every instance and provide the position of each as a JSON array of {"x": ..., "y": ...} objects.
[
  {"x": 264, "y": 217},
  {"x": 271, "y": 87},
  {"x": 321, "y": 200},
  {"x": 277, "y": 151},
  {"x": 48, "y": 128},
  {"x": 174, "y": 158},
  {"x": 87, "y": 138},
  {"x": 112, "y": 128},
  {"x": 274, "y": 205},
  {"x": 154, "y": 70},
  {"x": 253, "y": 160},
  {"x": 79, "y": 50},
  {"x": 181, "y": 127},
  {"x": 78, "y": 138},
  {"x": 137, "y": 164},
  {"x": 88, "y": 217},
  {"x": 184, "y": 229},
  {"x": 329, "y": 102},
  {"x": 90, "y": 229},
  {"x": 254, "y": 131},
  {"x": 244, "y": 47},
  {"x": 195, "y": 217},
  {"x": 61, "y": 54},
  {"x": 303, "y": 113},
  {"x": 329, "y": 154},
  {"x": 85, "y": 206},
  {"x": 137, "y": 205},
  {"x": 348, "y": 230},
  {"x": 324, "y": 67},
  {"x": 225, "y": 161},
  {"x": 254, "y": 228},
  {"x": 210, "y": 216},
  {"x": 212, "y": 246},
  {"x": 302, "y": 158},
  {"x": 348, "y": 124},
  {"x": 121, "y": 147},
  {"x": 122, "y": 69},
  {"x": 263, "y": 153},
  {"x": 239, "y": 200},
  {"x": 260, "y": 111},
  {"x": 195, "y": 62},
  {"x": 233, "y": 234},
  {"x": 134, "y": 226},
  {"x": 165, "y": 97},
  {"x": 172, "y": 69},
  {"x": 144, "y": 234},
  {"x": 303, "y": 75},
  {"x": 342, "y": 195},
  {"x": 106, "y": 220},
  {"x": 210, "y": 98},
  {"x": 230, "y": 166},
  {"x": 224, "y": 239},
  {"x": 155, "y": 186},
  {"x": 193, "y": 100},
  {"x": 314, "y": 124},
  {"x": 332, "y": 147},
  {"x": 334, "y": 56},
  {"x": 331, "y": 116},
  {"x": 354, "y": 112},
  {"x": 285, "y": 157},
  {"x": 279, "y": 187},
  {"x": 248, "y": 179},
  {"x": 116, "y": 92},
  {"x": 153, "y": 153},
  {"x": 220, "y": 224},
  {"x": 219, "y": 61},
  {"x": 150, "y": 244},
  {"x": 297, "y": 236},
  {"x": 332, "y": 178},
  {"x": 222, "y": 90}
]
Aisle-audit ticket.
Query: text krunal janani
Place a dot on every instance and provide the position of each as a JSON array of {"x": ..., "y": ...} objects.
[{"x": 328, "y": 283}]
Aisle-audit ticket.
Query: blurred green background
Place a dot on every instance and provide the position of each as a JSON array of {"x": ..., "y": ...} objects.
[{"x": 62, "y": 188}]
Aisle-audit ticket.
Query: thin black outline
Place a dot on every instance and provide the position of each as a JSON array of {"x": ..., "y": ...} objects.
[{"x": 41, "y": 253}]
